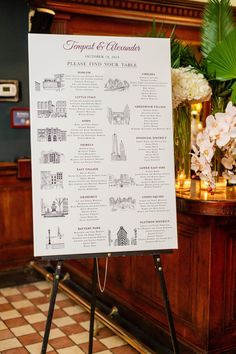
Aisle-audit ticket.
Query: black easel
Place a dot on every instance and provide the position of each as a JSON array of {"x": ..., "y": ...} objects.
[
  {"x": 158, "y": 266},
  {"x": 54, "y": 291},
  {"x": 51, "y": 306},
  {"x": 93, "y": 305}
]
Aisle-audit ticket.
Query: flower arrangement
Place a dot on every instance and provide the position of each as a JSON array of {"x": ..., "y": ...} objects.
[
  {"x": 189, "y": 86},
  {"x": 214, "y": 154},
  {"x": 216, "y": 143},
  {"x": 212, "y": 77}
]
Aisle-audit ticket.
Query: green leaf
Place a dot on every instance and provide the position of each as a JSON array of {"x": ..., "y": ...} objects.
[
  {"x": 217, "y": 23},
  {"x": 154, "y": 29},
  {"x": 181, "y": 55},
  {"x": 221, "y": 61},
  {"x": 233, "y": 94},
  {"x": 154, "y": 33}
]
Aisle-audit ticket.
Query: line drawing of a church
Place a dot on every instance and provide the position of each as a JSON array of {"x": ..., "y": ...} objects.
[{"x": 119, "y": 118}]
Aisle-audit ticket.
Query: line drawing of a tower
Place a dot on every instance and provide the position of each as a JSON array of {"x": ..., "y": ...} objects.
[
  {"x": 118, "y": 154},
  {"x": 134, "y": 239},
  {"x": 122, "y": 150},
  {"x": 114, "y": 144}
]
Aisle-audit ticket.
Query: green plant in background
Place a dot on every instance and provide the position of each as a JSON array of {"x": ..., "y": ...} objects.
[
  {"x": 217, "y": 66},
  {"x": 181, "y": 54},
  {"x": 218, "y": 47}
]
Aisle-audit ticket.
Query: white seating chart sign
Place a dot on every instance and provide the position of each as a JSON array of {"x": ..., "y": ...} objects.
[{"x": 101, "y": 145}]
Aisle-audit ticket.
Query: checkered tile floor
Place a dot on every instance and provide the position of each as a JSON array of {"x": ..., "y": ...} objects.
[{"x": 23, "y": 312}]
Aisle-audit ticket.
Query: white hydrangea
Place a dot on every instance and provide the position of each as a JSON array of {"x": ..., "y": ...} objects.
[{"x": 189, "y": 86}]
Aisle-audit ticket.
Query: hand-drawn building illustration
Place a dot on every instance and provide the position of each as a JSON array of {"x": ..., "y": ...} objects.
[
  {"x": 122, "y": 203},
  {"x": 134, "y": 240},
  {"x": 50, "y": 180},
  {"x": 51, "y": 157},
  {"x": 122, "y": 238},
  {"x": 37, "y": 86},
  {"x": 124, "y": 180},
  {"x": 56, "y": 83},
  {"x": 56, "y": 208},
  {"x": 110, "y": 241},
  {"x": 55, "y": 239},
  {"x": 116, "y": 85},
  {"x": 119, "y": 118},
  {"x": 46, "y": 109},
  {"x": 118, "y": 154},
  {"x": 51, "y": 135}
]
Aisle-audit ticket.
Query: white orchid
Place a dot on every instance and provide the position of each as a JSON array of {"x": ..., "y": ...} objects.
[
  {"x": 230, "y": 176},
  {"x": 231, "y": 109},
  {"x": 205, "y": 145},
  {"x": 219, "y": 134},
  {"x": 228, "y": 162},
  {"x": 218, "y": 128}
]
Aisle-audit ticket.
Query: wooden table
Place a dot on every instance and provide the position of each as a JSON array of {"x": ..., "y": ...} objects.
[{"x": 200, "y": 276}]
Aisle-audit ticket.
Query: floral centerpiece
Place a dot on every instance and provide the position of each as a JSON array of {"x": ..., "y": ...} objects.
[
  {"x": 188, "y": 86},
  {"x": 217, "y": 141},
  {"x": 212, "y": 77},
  {"x": 215, "y": 153}
]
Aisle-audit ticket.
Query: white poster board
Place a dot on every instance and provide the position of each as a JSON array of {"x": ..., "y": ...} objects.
[{"x": 102, "y": 145}]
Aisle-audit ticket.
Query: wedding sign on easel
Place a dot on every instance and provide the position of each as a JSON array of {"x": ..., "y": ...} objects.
[
  {"x": 101, "y": 140},
  {"x": 102, "y": 150}
]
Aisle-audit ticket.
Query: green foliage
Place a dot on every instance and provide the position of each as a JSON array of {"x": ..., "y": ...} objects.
[
  {"x": 218, "y": 22},
  {"x": 221, "y": 61},
  {"x": 181, "y": 54},
  {"x": 159, "y": 33},
  {"x": 233, "y": 94},
  {"x": 218, "y": 47}
]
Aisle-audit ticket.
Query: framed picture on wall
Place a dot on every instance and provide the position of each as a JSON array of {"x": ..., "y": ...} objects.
[{"x": 20, "y": 118}]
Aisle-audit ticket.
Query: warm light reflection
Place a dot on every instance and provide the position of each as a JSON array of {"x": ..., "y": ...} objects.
[
  {"x": 199, "y": 126},
  {"x": 182, "y": 182},
  {"x": 196, "y": 123},
  {"x": 198, "y": 107}
]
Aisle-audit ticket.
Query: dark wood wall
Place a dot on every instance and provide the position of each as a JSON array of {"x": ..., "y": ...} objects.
[
  {"x": 16, "y": 227},
  {"x": 125, "y": 17}
]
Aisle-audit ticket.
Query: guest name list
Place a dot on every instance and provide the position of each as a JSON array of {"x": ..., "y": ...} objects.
[{"x": 102, "y": 146}]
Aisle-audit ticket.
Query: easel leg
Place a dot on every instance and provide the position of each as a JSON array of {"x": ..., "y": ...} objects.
[
  {"x": 158, "y": 265},
  {"x": 93, "y": 304},
  {"x": 51, "y": 306}
]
